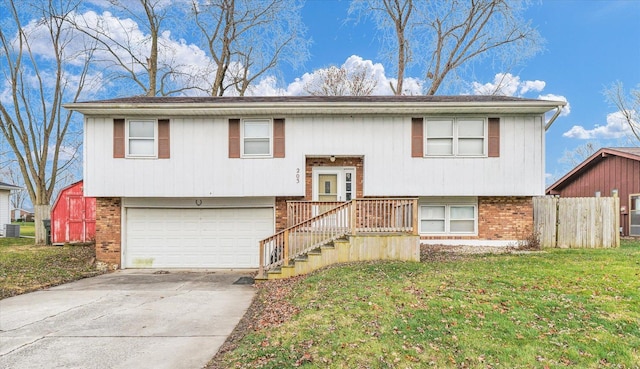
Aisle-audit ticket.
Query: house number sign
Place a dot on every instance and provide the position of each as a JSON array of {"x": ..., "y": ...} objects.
[{"x": 297, "y": 175}]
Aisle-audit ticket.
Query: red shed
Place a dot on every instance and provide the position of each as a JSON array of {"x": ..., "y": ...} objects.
[
  {"x": 615, "y": 169},
  {"x": 73, "y": 216}
]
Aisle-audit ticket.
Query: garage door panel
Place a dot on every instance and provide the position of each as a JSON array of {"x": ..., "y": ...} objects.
[{"x": 196, "y": 238}]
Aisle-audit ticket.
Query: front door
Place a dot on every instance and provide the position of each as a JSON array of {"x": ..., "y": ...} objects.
[{"x": 334, "y": 184}]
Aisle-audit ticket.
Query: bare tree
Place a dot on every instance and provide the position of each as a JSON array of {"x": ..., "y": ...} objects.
[
  {"x": 247, "y": 38},
  {"x": 450, "y": 35},
  {"x": 18, "y": 197},
  {"x": 340, "y": 81},
  {"x": 629, "y": 106},
  {"x": 399, "y": 11},
  {"x": 572, "y": 158},
  {"x": 392, "y": 18},
  {"x": 132, "y": 48},
  {"x": 39, "y": 79}
]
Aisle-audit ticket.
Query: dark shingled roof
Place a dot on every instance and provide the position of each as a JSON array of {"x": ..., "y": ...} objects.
[
  {"x": 629, "y": 150},
  {"x": 2, "y": 184},
  {"x": 302, "y": 99}
]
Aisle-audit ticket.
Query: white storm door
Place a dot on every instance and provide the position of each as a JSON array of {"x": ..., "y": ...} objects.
[{"x": 334, "y": 184}]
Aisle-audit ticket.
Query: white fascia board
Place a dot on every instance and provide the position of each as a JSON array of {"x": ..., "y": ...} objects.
[
  {"x": 10, "y": 187},
  {"x": 312, "y": 108}
]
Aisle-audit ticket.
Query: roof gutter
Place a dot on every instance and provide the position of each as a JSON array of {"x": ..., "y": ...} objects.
[
  {"x": 305, "y": 108},
  {"x": 550, "y": 122}
]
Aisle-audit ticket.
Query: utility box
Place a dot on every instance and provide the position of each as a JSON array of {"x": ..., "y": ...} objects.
[{"x": 12, "y": 230}]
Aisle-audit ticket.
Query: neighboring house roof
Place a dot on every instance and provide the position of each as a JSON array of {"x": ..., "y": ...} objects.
[
  {"x": 7, "y": 186},
  {"x": 325, "y": 105},
  {"x": 632, "y": 153},
  {"x": 23, "y": 210}
]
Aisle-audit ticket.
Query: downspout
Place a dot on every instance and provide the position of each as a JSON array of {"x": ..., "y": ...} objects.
[{"x": 558, "y": 111}]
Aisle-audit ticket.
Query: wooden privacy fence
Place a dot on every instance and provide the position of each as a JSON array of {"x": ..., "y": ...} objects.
[{"x": 577, "y": 222}]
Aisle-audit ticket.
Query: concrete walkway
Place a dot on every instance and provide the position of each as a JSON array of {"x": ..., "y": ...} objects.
[{"x": 126, "y": 319}]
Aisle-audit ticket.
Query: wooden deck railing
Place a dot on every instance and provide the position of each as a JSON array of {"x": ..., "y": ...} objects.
[
  {"x": 299, "y": 211},
  {"x": 358, "y": 216}
]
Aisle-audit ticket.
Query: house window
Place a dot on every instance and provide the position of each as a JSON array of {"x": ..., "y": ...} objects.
[
  {"x": 141, "y": 138},
  {"x": 448, "y": 219},
  {"x": 455, "y": 137},
  {"x": 256, "y": 137}
]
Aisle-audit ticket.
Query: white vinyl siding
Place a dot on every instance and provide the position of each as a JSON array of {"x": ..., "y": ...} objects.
[
  {"x": 257, "y": 135},
  {"x": 449, "y": 216},
  {"x": 141, "y": 137},
  {"x": 455, "y": 137},
  {"x": 5, "y": 212},
  {"x": 200, "y": 165}
]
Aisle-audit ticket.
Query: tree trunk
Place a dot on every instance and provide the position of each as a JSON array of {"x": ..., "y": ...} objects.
[{"x": 41, "y": 212}]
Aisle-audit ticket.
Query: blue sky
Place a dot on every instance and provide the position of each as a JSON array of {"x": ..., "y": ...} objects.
[{"x": 589, "y": 44}]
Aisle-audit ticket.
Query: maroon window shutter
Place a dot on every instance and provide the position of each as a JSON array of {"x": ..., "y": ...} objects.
[
  {"x": 234, "y": 138},
  {"x": 118, "y": 138},
  {"x": 278, "y": 138},
  {"x": 494, "y": 137},
  {"x": 164, "y": 144},
  {"x": 417, "y": 138}
]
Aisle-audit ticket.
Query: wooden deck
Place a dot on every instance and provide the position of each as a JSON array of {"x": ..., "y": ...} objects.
[{"x": 385, "y": 223}]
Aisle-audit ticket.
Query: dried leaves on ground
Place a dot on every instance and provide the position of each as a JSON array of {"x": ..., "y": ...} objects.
[{"x": 269, "y": 308}]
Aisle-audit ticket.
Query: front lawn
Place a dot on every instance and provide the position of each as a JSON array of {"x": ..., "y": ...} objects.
[
  {"x": 27, "y": 228},
  {"x": 26, "y": 267},
  {"x": 556, "y": 308}
]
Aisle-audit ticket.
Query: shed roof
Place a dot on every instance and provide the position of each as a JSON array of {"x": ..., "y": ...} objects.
[
  {"x": 306, "y": 105},
  {"x": 632, "y": 153},
  {"x": 63, "y": 190}
]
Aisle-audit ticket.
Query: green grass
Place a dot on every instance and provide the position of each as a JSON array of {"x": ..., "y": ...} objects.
[
  {"x": 26, "y": 267},
  {"x": 27, "y": 228},
  {"x": 557, "y": 308}
]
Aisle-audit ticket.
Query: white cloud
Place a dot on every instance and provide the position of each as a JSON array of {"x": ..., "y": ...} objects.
[
  {"x": 616, "y": 127},
  {"x": 536, "y": 85},
  {"x": 267, "y": 86},
  {"x": 566, "y": 110},
  {"x": 506, "y": 84}
]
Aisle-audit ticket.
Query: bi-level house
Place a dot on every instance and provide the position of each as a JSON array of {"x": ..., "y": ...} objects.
[{"x": 225, "y": 182}]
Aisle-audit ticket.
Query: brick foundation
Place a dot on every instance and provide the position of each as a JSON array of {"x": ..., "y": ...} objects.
[
  {"x": 500, "y": 218},
  {"x": 505, "y": 218},
  {"x": 108, "y": 231},
  {"x": 281, "y": 211}
]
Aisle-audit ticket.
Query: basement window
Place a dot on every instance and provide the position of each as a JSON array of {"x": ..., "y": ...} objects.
[{"x": 452, "y": 218}]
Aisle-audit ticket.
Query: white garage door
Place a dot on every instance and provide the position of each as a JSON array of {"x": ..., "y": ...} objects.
[{"x": 196, "y": 238}]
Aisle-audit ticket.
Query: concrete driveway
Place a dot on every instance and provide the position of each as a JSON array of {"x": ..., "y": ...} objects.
[{"x": 126, "y": 319}]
